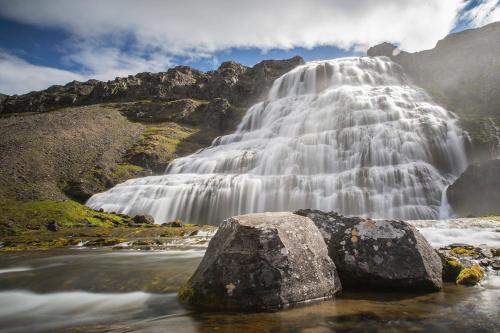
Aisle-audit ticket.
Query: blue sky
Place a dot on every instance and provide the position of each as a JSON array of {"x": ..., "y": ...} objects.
[{"x": 49, "y": 42}]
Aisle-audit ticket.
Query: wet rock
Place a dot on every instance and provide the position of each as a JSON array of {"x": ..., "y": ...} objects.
[
  {"x": 262, "y": 261},
  {"x": 470, "y": 276},
  {"x": 52, "y": 226},
  {"x": 177, "y": 224},
  {"x": 378, "y": 254},
  {"x": 143, "y": 219},
  {"x": 451, "y": 270}
]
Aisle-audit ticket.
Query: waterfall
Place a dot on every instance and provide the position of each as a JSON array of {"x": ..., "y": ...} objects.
[{"x": 351, "y": 135}]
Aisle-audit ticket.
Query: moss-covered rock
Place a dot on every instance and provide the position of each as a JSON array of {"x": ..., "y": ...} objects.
[
  {"x": 451, "y": 270},
  {"x": 463, "y": 251},
  {"x": 470, "y": 276}
]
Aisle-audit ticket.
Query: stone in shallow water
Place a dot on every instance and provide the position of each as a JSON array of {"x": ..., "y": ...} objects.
[
  {"x": 263, "y": 261},
  {"x": 378, "y": 253}
]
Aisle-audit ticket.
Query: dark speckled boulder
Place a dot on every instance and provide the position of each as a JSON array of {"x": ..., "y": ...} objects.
[
  {"x": 378, "y": 253},
  {"x": 263, "y": 261}
]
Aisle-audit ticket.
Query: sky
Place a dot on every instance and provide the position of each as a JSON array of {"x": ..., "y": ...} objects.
[{"x": 46, "y": 42}]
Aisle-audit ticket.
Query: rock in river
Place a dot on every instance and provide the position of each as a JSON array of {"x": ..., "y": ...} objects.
[
  {"x": 378, "y": 253},
  {"x": 143, "y": 219},
  {"x": 263, "y": 261}
]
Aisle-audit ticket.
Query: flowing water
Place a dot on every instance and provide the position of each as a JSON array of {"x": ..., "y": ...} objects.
[
  {"x": 84, "y": 290},
  {"x": 351, "y": 135}
]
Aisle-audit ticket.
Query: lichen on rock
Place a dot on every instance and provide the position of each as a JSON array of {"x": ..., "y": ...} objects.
[
  {"x": 378, "y": 254},
  {"x": 263, "y": 261}
]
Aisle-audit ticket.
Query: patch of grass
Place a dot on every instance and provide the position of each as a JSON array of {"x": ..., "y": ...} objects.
[
  {"x": 35, "y": 214},
  {"x": 158, "y": 145},
  {"x": 126, "y": 171}
]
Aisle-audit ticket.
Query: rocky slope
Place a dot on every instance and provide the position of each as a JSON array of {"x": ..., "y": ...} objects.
[
  {"x": 75, "y": 140},
  {"x": 44, "y": 153},
  {"x": 462, "y": 73}
]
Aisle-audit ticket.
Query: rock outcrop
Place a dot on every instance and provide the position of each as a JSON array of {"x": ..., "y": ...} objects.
[
  {"x": 462, "y": 74},
  {"x": 477, "y": 191},
  {"x": 239, "y": 84},
  {"x": 378, "y": 254},
  {"x": 217, "y": 113},
  {"x": 263, "y": 261}
]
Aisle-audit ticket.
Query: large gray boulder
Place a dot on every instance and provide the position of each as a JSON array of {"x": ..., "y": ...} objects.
[
  {"x": 263, "y": 261},
  {"x": 378, "y": 253}
]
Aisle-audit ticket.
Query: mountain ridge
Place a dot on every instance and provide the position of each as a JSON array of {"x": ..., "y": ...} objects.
[{"x": 237, "y": 83}]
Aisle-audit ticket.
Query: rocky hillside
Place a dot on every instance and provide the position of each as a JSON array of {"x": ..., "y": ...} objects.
[
  {"x": 43, "y": 154},
  {"x": 69, "y": 142},
  {"x": 462, "y": 73}
]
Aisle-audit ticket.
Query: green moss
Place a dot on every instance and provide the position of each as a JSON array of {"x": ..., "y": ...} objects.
[
  {"x": 22, "y": 244},
  {"x": 185, "y": 293},
  {"x": 470, "y": 276},
  {"x": 492, "y": 217},
  {"x": 158, "y": 145},
  {"x": 463, "y": 251},
  {"x": 126, "y": 171},
  {"x": 451, "y": 270},
  {"x": 66, "y": 213}
]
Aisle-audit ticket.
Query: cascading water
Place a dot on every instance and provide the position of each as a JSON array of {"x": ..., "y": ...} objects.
[{"x": 351, "y": 135}]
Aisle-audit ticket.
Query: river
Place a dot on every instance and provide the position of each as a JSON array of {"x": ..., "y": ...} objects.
[{"x": 101, "y": 290}]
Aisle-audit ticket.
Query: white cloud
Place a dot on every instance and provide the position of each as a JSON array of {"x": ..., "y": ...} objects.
[
  {"x": 106, "y": 63},
  {"x": 191, "y": 26},
  {"x": 121, "y": 37},
  {"x": 486, "y": 12},
  {"x": 19, "y": 76}
]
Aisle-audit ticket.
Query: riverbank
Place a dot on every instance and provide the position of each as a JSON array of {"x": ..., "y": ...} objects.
[
  {"x": 478, "y": 231},
  {"x": 147, "y": 237}
]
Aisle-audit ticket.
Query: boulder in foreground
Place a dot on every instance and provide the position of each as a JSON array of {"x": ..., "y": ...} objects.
[
  {"x": 378, "y": 254},
  {"x": 263, "y": 261}
]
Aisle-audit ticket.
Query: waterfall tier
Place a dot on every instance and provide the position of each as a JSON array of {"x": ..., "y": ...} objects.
[{"x": 351, "y": 135}]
